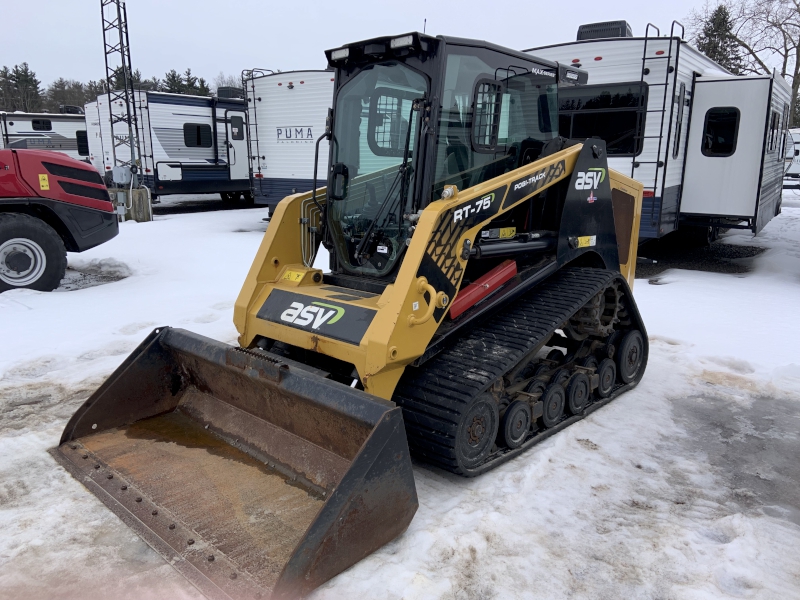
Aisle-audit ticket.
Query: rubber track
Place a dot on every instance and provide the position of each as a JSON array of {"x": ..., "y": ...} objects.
[{"x": 433, "y": 396}]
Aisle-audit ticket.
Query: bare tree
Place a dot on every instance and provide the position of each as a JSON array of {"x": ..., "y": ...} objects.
[
  {"x": 767, "y": 31},
  {"x": 223, "y": 80}
]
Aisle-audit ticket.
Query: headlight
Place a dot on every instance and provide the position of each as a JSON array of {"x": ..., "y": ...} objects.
[{"x": 402, "y": 42}]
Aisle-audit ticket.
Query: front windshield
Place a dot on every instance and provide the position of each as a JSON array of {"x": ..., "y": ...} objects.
[{"x": 374, "y": 138}]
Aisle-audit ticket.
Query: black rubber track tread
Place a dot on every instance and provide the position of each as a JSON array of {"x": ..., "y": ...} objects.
[{"x": 432, "y": 396}]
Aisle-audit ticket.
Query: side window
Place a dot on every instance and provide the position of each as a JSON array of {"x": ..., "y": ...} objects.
[
  {"x": 784, "y": 130},
  {"x": 676, "y": 149},
  {"x": 390, "y": 115},
  {"x": 196, "y": 135},
  {"x": 237, "y": 128},
  {"x": 83, "y": 143},
  {"x": 489, "y": 100},
  {"x": 773, "y": 131},
  {"x": 42, "y": 125},
  {"x": 720, "y": 131},
  {"x": 615, "y": 113}
]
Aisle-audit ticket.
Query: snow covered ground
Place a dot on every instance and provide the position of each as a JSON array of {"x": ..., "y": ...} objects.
[{"x": 685, "y": 488}]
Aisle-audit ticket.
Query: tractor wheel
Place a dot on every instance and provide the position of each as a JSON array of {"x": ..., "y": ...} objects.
[{"x": 32, "y": 255}]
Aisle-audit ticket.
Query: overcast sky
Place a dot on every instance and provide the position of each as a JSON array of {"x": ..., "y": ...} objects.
[{"x": 63, "y": 38}]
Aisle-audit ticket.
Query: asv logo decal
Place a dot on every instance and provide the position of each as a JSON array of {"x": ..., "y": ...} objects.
[
  {"x": 316, "y": 315},
  {"x": 470, "y": 209},
  {"x": 590, "y": 180}
]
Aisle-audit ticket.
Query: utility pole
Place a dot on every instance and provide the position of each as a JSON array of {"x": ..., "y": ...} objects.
[{"x": 119, "y": 79}]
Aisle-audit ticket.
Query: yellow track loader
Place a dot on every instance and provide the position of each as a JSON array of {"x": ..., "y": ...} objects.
[{"x": 478, "y": 300}]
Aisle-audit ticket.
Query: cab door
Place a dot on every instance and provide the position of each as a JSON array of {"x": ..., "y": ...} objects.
[{"x": 236, "y": 143}]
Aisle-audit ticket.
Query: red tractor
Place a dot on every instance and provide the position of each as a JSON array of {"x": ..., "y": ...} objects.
[{"x": 49, "y": 204}]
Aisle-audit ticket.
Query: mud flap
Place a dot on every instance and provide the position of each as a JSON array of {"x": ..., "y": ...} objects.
[{"x": 253, "y": 478}]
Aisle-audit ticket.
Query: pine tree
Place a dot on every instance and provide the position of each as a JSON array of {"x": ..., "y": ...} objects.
[
  {"x": 93, "y": 89},
  {"x": 7, "y": 91},
  {"x": 717, "y": 42},
  {"x": 64, "y": 92},
  {"x": 27, "y": 88},
  {"x": 189, "y": 82},
  {"x": 150, "y": 85},
  {"x": 202, "y": 87},
  {"x": 173, "y": 82}
]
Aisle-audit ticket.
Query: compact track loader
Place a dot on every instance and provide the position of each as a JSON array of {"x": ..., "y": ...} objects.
[{"x": 478, "y": 301}]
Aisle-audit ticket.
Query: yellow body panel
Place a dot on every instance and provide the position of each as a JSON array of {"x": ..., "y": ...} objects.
[{"x": 402, "y": 326}]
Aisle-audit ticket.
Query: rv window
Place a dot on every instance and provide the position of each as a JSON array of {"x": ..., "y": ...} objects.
[
  {"x": 774, "y": 122},
  {"x": 617, "y": 129},
  {"x": 720, "y": 131},
  {"x": 83, "y": 143},
  {"x": 614, "y": 113},
  {"x": 42, "y": 125},
  {"x": 237, "y": 128},
  {"x": 679, "y": 122},
  {"x": 197, "y": 136},
  {"x": 784, "y": 130}
]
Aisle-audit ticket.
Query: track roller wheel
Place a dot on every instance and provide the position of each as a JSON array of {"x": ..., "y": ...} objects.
[
  {"x": 516, "y": 423},
  {"x": 608, "y": 350},
  {"x": 537, "y": 386},
  {"x": 579, "y": 389},
  {"x": 607, "y": 371},
  {"x": 539, "y": 369},
  {"x": 477, "y": 431},
  {"x": 560, "y": 377},
  {"x": 630, "y": 353},
  {"x": 555, "y": 355},
  {"x": 553, "y": 405},
  {"x": 590, "y": 362}
]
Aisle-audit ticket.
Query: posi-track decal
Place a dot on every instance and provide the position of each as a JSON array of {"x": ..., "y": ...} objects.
[{"x": 531, "y": 184}]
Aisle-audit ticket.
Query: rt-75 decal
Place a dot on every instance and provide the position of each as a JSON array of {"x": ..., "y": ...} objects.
[{"x": 481, "y": 204}]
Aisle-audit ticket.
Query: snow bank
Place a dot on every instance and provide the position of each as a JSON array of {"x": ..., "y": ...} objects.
[{"x": 628, "y": 503}]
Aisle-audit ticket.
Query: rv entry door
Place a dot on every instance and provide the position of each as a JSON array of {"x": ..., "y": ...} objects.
[
  {"x": 726, "y": 140},
  {"x": 237, "y": 144}
]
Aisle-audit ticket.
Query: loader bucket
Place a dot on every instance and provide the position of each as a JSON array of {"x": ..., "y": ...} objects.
[{"x": 253, "y": 477}]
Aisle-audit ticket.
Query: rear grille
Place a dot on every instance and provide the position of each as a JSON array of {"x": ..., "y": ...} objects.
[
  {"x": 73, "y": 173},
  {"x": 77, "y": 189}
]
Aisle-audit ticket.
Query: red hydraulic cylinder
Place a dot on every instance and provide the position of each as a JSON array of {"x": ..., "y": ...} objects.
[{"x": 482, "y": 287}]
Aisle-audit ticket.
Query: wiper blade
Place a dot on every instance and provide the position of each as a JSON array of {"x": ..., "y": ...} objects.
[{"x": 401, "y": 176}]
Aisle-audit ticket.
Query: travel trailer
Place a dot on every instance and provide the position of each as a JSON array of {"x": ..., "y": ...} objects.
[
  {"x": 186, "y": 144},
  {"x": 708, "y": 146},
  {"x": 286, "y": 117},
  {"x": 44, "y": 131},
  {"x": 793, "y": 172}
]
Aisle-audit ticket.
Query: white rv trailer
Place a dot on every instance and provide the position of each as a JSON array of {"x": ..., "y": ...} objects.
[
  {"x": 793, "y": 172},
  {"x": 44, "y": 131},
  {"x": 186, "y": 144},
  {"x": 94, "y": 138},
  {"x": 286, "y": 115},
  {"x": 707, "y": 145}
]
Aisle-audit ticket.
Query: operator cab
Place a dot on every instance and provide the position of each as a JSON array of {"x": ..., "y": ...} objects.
[{"x": 413, "y": 114}]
